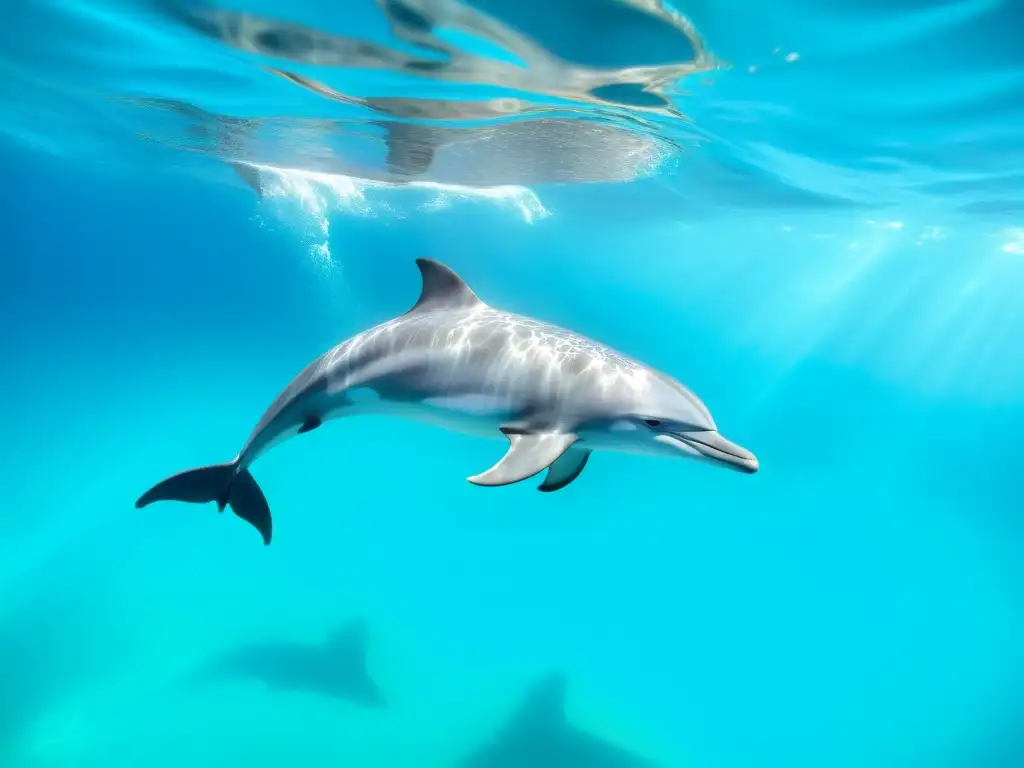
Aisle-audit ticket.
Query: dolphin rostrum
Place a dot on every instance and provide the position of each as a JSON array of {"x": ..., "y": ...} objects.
[
  {"x": 539, "y": 735},
  {"x": 454, "y": 361}
]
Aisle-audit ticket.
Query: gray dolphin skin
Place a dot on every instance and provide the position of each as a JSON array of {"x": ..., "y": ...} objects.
[
  {"x": 454, "y": 361},
  {"x": 335, "y": 668},
  {"x": 538, "y": 735}
]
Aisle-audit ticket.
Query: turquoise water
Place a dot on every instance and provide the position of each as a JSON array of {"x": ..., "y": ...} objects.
[{"x": 810, "y": 213}]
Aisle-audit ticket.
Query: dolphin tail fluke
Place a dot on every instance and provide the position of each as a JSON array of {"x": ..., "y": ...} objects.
[{"x": 221, "y": 483}]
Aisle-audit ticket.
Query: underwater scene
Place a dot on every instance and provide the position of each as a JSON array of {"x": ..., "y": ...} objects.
[{"x": 682, "y": 346}]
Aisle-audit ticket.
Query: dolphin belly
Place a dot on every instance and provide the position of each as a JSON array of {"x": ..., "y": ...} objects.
[{"x": 475, "y": 414}]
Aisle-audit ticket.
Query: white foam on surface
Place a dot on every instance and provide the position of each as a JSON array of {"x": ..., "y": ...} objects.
[{"x": 318, "y": 195}]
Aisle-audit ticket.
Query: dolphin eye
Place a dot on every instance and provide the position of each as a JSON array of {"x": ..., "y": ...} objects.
[{"x": 652, "y": 422}]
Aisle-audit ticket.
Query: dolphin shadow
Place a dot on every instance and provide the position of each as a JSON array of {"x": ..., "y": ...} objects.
[
  {"x": 538, "y": 735},
  {"x": 335, "y": 668}
]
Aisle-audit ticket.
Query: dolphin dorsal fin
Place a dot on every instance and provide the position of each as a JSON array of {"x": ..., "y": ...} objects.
[
  {"x": 442, "y": 289},
  {"x": 543, "y": 707},
  {"x": 348, "y": 644}
]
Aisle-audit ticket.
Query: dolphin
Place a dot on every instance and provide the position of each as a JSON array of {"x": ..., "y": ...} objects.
[
  {"x": 539, "y": 736},
  {"x": 454, "y": 361},
  {"x": 334, "y": 668}
]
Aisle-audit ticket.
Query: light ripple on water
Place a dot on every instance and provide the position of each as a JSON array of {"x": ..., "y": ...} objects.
[{"x": 728, "y": 106}]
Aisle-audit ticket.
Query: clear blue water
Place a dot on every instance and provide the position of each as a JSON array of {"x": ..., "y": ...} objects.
[{"x": 812, "y": 213}]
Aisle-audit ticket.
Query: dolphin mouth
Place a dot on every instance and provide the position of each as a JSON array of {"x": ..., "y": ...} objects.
[{"x": 712, "y": 445}]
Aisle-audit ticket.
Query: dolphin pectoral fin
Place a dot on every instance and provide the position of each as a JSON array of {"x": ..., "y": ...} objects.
[
  {"x": 527, "y": 455},
  {"x": 310, "y": 424},
  {"x": 565, "y": 469}
]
